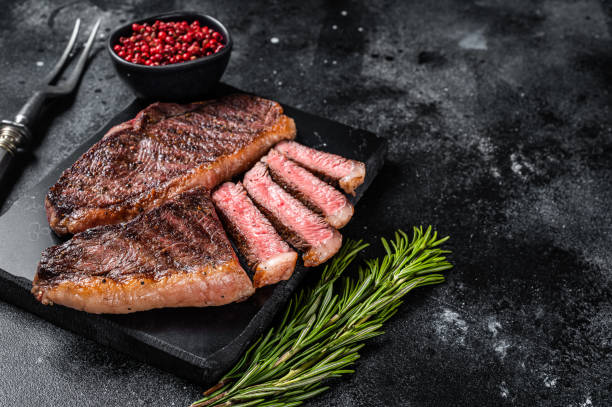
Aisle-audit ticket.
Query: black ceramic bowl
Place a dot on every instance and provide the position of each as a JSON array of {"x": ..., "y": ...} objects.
[{"x": 185, "y": 81}]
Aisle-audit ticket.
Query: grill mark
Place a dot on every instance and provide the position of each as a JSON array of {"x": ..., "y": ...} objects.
[
  {"x": 187, "y": 225},
  {"x": 156, "y": 111},
  {"x": 241, "y": 120},
  {"x": 205, "y": 145},
  {"x": 239, "y": 133},
  {"x": 151, "y": 245},
  {"x": 69, "y": 181},
  {"x": 264, "y": 105},
  {"x": 232, "y": 120},
  {"x": 244, "y": 105},
  {"x": 166, "y": 156},
  {"x": 109, "y": 155},
  {"x": 206, "y": 219},
  {"x": 219, "y": 147},
  {"x": 179, "y": 248},
  {"x": 219, "y": 128},
  {"x": 213, "y": 147},
  {"x": 227, "y": 112},
  {"x": 216, "y": 128}
]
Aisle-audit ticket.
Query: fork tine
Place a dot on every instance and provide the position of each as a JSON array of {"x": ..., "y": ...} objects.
[
  {"x": 51, "y": 76},
  {"x": 71, "y": 81}
]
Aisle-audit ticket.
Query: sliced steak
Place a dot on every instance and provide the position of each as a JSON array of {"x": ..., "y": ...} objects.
[
  {"x": 301, "y": 227},
  {"x": 176, "y": 255},
  {"x": 165, "y": 150},
  {"x": 347, "y": 174},
  {"x": 312, "y": 191},
  {"x": 265, "y": 251}
]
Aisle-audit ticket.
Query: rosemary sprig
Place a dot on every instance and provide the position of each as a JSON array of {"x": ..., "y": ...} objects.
[{"x": 325, "y": 326}]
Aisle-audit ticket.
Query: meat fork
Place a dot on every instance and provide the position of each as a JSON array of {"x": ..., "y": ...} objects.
[{"x": 15, "y": 134}]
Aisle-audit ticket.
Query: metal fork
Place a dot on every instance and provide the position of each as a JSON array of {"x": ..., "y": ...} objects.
[{"x": 15, "y": 134}]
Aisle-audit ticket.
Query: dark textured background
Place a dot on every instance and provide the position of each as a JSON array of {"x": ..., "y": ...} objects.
[{"x": 499, "y": 121}]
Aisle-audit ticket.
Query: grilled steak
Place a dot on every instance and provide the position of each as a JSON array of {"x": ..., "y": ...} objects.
[
  {"x": 314, "y": 193},
  {"x": 347, "y": 174},
  {"x": 304, "y": 229},
  {"x": 165, "y": 150},
  {"x": 265, "y": 251},
  {"x": 176, "y": 255}
]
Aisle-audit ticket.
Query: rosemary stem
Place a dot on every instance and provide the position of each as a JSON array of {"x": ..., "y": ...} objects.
[{"x": 324, "y": 327}]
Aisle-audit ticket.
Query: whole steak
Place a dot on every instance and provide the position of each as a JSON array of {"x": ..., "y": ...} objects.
[
  {"x": 165, "y": 150},
  {"x": 176, "y": 255}
]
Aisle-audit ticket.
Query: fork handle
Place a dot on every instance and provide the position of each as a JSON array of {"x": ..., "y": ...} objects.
[
  {"x": 5, "y": 162},
  {"x": 13, "y": 137}
]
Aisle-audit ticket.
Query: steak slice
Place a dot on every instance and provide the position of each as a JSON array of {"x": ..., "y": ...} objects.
[
  {"x": 265, "y": 251},
  {"x": 176, "y": 255},
  {"x": 165, "y": 150},
  {"x": 314, "y": 193},
  {"x": 304, "y": 229},
  {"x": 347, "y": 174}
]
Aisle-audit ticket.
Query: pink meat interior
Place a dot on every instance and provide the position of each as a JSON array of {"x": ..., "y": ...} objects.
[
  {"x": 331, "y": 165},
  {"x": 287, "y": 209},
  {"x": 261, "y": 238},
  {"x": 327, "y": 198}
]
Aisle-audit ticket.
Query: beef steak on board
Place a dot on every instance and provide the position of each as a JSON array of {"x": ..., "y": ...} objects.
[
  {"x": 176, "y": 255},
  {"x": 165, "y": 150}
]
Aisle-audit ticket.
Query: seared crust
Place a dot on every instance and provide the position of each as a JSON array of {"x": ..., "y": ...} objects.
[
  {"x": 277, "y": 268},
  {"x": 355, "y": 178},
  {"x": 175, "y": 255},
  {"x": 207, "y": 287},
  {"x": 165, "y": 150}
]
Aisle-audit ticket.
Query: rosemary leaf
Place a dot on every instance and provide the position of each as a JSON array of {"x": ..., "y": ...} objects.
[{"x": 324, "y": 327}]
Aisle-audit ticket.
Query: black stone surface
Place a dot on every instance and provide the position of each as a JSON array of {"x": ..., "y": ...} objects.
[{"x": 498, "y": 116}]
